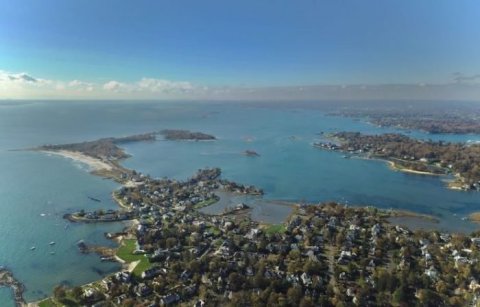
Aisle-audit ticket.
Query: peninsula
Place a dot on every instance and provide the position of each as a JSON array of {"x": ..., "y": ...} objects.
[
  {"x": 411, "y": 155},
  {"x": 325, "y": 254},
  {"x": 104, "y": 155}
]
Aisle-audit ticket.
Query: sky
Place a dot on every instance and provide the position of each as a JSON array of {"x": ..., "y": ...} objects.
[{"x": 261, "y": 49}]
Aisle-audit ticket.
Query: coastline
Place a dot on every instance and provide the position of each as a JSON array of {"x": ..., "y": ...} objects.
[
  {"x": 100, "y": 165},
  {"x": 451, "y": 184},
  {"x": 396, "y": 213},
  {"x": 395, "y": 167},
  {"x": 93, "y": 163},
  {"x": 474, "y": 217}
]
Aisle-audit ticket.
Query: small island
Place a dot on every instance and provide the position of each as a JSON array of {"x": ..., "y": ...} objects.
[
  {"x": 251, "y": 153},
  {"x": 414, "y": 156},
  {"x": 174, "y": 135}
]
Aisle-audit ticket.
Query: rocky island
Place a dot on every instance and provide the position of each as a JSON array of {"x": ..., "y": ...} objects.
[
  {"x": 174, "y": 135},
  {"x": 251, "y": 153}
]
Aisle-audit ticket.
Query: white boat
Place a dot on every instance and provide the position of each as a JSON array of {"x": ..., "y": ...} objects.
[
  {"x": 32, "y": 248},
  {"x": 51, "y": 243}
]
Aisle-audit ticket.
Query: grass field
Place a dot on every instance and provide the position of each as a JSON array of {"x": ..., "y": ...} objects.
[
  {"x": 125, "y": 252},
  {"x": 275, "y": 228},
  {"x": 205, "y": 203},
  {"x": 47, "y": 303}
]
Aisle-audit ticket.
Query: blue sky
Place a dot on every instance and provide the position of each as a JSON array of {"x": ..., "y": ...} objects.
[{"x": 241, "y": 43}]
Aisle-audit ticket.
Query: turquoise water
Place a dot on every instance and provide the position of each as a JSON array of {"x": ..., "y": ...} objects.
[
  {"x": 6, "y": 297},
  {"x": 289, "y": 168}
]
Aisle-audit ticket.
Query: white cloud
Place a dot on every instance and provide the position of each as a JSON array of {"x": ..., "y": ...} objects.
[
  {"x": 26, "y": 86},
  {"x": 151, "y": 86},
  {"x": 115, "y": 86},
  {"x": 165, "y": 86}
]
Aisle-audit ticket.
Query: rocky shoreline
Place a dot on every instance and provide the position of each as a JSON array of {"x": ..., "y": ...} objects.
[{"x": 8, "y": 280}]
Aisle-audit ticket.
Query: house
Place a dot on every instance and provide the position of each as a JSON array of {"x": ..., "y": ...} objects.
[
  {"x": 120, "y": 299},
  {"x": 143, "y": 290},
  {"x": 89, "y": 293},
  {"x": 185, "y": 275},
  {"x": 169, "y": 299},
  {"x": 199, "y": 303},
  {"x": 124, "y": 277},
  {"x": 345, "y": 257},
  {"x": 150, "y": 273},
  {"x": 253, "y": 233},
  {"x": 306, "y": 280},
  {"x": 475, "y": 241},
  {"x": 431, "y": 272},
  {"x": 376, "y": 230}
]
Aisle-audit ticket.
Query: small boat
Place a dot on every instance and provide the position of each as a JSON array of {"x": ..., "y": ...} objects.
[
  {"x": 32, "y": 248},
  {"x": 51, "y": 243},
  {"x": 346, "y": 157},
  {"x": 42, "y": 214}
]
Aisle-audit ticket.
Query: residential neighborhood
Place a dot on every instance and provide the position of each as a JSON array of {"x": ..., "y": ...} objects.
[{"x": 324, "y": 255}]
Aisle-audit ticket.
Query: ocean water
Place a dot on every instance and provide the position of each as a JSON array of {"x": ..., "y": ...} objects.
[{"x": 37, "y": 189}]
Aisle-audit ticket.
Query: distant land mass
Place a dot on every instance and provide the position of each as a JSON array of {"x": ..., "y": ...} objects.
[
  {"x": 432, "y": 119},
  {"x": 170, "y": 134},
  {"x": 412, "y": 155}
]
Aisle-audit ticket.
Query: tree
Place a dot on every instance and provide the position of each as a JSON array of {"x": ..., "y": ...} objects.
[
  {"x": 59, "y": 293},
  {"x": 236, "y": 281},
  {"x": 306, "y": 302},
  {"x": 171, "y": 242},
  {"x": 294, "y": 294},
  {"x": 399, "y": 296},
  {"x": 77, "y": 293}
]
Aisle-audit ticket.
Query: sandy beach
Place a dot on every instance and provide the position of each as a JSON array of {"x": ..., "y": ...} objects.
[
  {"x": 93, "y": 163},
  {"x": 395, "y": 167}
]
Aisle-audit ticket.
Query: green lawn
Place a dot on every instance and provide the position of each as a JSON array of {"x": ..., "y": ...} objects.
[
  {"x": 47, "y": 303},
  {"x": 51, "y": 303},
  {"x": 275, "y": 228},
  {"x": 205, "y": 203},
  {"x": 214, "y": 230},
  {"x": 125, "y": 252}
]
